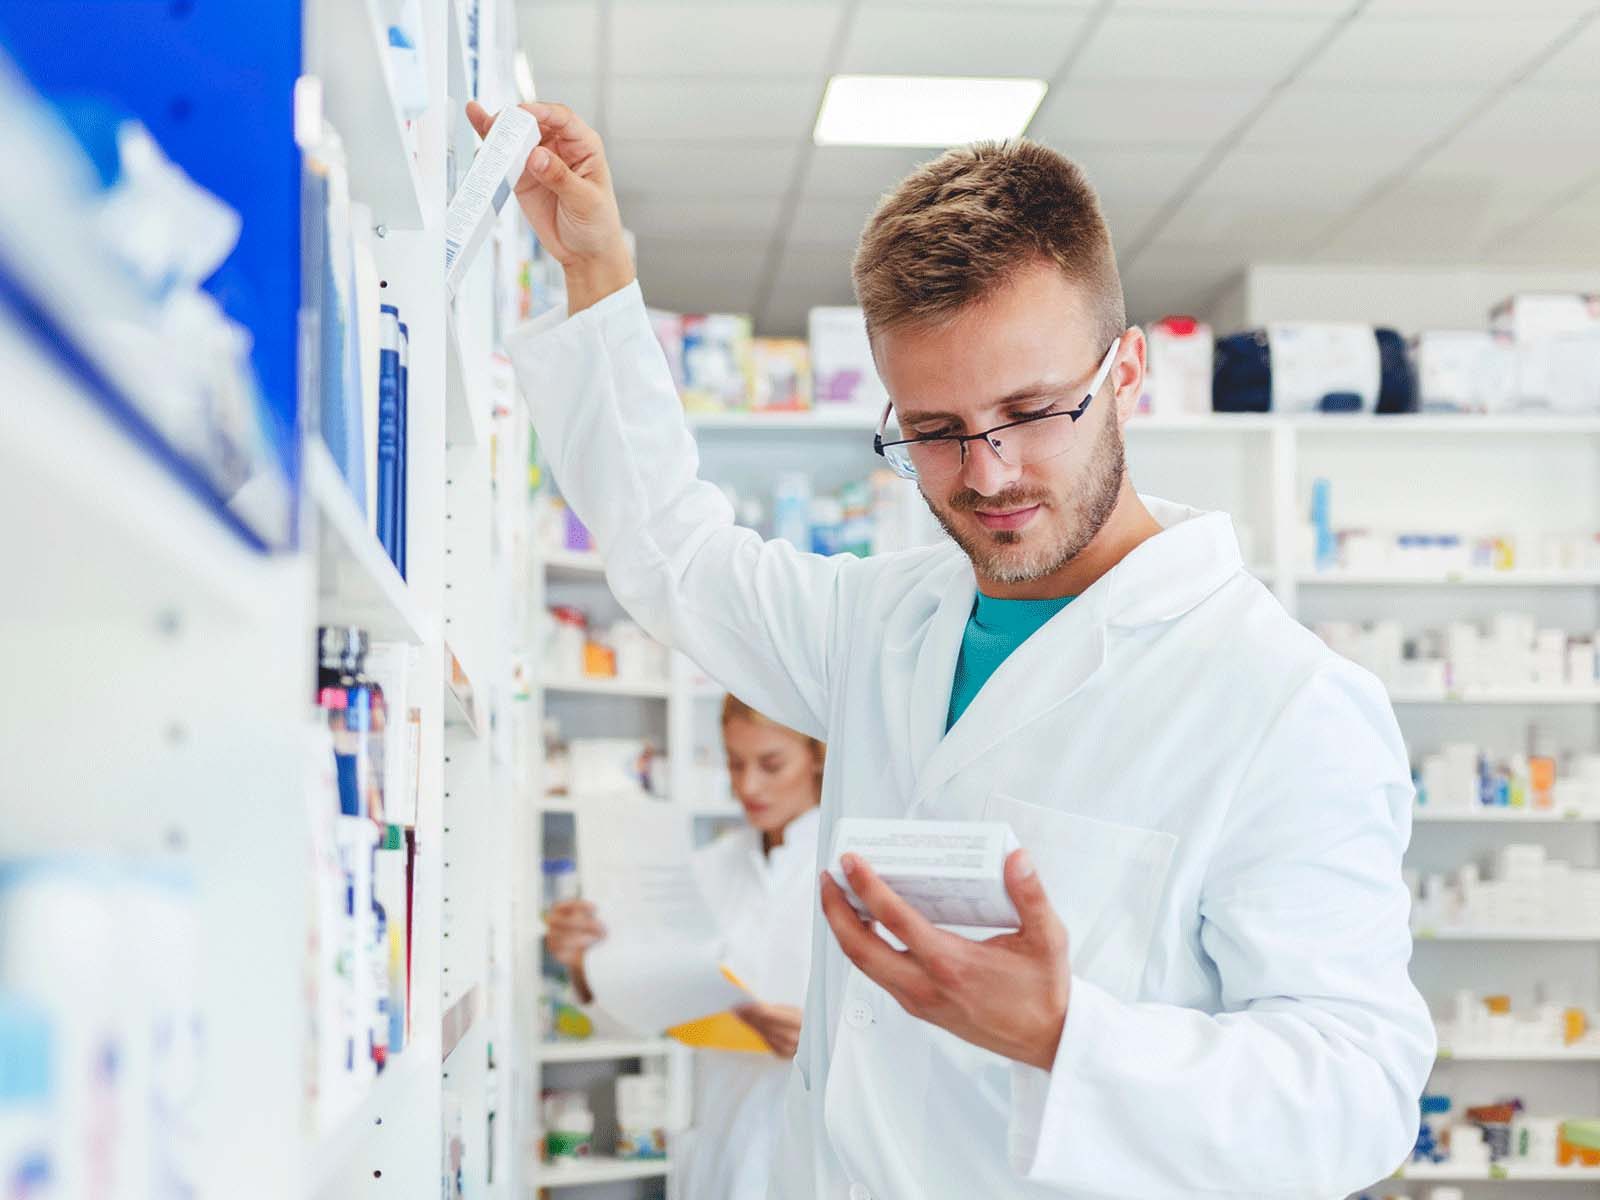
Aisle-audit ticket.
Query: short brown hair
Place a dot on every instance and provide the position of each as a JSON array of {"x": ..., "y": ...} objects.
[{"x": 960, "y": 226}]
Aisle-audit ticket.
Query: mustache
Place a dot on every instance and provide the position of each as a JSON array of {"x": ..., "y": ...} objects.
[{"x": 968, "y": 500}]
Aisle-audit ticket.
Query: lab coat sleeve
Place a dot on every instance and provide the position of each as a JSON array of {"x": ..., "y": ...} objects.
[
  {"x": 755, "y": 615},
  {"x": 1306, "y": 1083}
]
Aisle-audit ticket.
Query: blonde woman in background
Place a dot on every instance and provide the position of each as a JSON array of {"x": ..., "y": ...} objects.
[{"x": 760, "y": 881}]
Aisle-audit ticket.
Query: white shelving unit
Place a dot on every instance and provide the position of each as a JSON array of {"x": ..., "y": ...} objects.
[{"x": 194, "y": 659}]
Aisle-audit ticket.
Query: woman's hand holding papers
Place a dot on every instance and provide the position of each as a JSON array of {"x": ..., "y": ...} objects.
[
  {"x": 778, "y": 1025},
  {"x": 571, "y": 927}
]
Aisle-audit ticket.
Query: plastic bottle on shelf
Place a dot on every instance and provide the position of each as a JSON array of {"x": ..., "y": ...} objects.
[{"x": 791, "y": 509}]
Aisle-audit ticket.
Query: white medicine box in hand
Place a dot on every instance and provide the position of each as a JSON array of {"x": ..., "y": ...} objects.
[
  {"x": 952, "y": 872},
  {"x": 483, "y": 193}
]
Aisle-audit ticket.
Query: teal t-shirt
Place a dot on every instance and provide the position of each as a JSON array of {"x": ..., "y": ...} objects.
[{"x": 994, "y": 630}]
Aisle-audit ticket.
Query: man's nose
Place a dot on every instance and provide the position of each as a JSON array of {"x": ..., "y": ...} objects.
[{"x": 984, "y": 471}]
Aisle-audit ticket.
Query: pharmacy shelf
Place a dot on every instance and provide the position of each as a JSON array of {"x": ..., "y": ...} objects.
[
  {"x": 1208, "y": 423},
  {"x": 403, "y": 1083},
  {"x": 587, "y": 1171},
  {"x": 1505, "y": 935},
  {"x": 461, "y": 707},
  {"x": 1467, "y": 424},
  {"x": 601, "y": 1049},
  {"x": 1496, "y": 1172},
  {"x": 1551, "y": 696},
  {"x": 458, "y": 1021},
  {"x": 464, "y": 418},
  {"x": 459, "y": 72},
  {"x": 1510, "y": 816},
  {"x": 115, "y": 511},
  {"x": 358, "y": 584},
  {"x": 608, "y": 687},
  {"x": 1476, "y": 578},
  {"x": 573, "y": 564},
  {"x": 358, "y": 97},
  {"x": 1467, "y": 1052},
  {"x": 821, "y": 420}
]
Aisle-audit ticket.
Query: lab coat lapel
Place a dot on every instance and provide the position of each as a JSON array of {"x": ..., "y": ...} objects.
[
  {"x": 927, "y": 677},
  {"x": 1045, "y": 671}
]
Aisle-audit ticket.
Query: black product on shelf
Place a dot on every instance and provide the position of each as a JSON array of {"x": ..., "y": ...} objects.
[
  {"x": 1241, "y": 374},
  {"x": 1397, "y": 385}
]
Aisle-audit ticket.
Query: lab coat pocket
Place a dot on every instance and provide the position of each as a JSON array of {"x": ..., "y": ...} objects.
[{"x": 1104, "y": 879}]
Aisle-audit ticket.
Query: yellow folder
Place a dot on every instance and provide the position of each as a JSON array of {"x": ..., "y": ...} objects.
[{"x": 721, "y": 1031}]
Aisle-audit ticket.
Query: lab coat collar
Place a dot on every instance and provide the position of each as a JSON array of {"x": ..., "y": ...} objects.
[
  {"x": 799, "y": 843},
  {"x": 1162, "y": 578}
]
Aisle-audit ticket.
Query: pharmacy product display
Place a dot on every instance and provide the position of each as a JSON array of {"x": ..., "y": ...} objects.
[
  {"x": 1510, "y": 651},
  {"x": 362, "y": 879},
  {"x": 1492, "y": 1025},
  {"x": 1524, "y": 891},
  {"x": 1428, "y": 553},
  {"x": 108, "y": 278},
  {"x": 1502, "y": 1133},
  {"x": 720, "y": 366},
  {"x": 1461, "y": 778},
  {"x": 622, "y": 651},
  {"x": 1539, "y": 353},
  {"x": 102, "y": 1047}
]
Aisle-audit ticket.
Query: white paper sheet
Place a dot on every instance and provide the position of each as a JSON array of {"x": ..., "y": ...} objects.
[{"x": 662, "y": 963}]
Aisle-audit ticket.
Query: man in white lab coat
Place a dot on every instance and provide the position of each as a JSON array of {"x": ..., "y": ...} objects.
[{"x": 1208, "y": 994}]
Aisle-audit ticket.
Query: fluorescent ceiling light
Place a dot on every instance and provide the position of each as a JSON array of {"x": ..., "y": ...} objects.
[{"x": 923, "y": 110}]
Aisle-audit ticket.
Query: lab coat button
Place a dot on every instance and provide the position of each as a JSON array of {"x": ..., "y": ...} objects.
[
  {"x": 858, "y": 1191},
  {"x": 859, "y": 1016}
]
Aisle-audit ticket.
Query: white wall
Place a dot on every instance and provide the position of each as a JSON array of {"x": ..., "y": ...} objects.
[{"x": 1404, "y": 298}]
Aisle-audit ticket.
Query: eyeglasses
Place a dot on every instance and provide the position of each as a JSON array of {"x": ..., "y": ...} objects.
[{"x": 1035, "y": 438}]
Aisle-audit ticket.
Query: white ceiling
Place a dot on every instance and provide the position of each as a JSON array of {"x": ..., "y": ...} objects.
[{"x": 1219, "y": 132}]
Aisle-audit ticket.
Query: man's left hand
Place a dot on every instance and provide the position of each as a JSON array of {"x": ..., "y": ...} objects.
[{"x": 1008, "y": 994}]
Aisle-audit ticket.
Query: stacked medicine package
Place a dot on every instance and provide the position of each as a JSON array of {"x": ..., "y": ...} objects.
[
  {"x": 361, "y": 794},
  {"x": 361, "y": 396},
  {"x": 101, "y": 1042},
  {"x": 105, "y": 252},
  {"x": 720, "y": 366}
]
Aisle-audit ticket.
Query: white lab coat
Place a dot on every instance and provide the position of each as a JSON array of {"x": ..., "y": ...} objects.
[
  {"x": 1216, "y": 802},
  {"x": 763, "y": 903}
]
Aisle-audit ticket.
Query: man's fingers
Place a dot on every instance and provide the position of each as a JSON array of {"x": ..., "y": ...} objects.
[
  {"x": 881, "y": 962},
  {"x": 1038, "y": 918},
  {"x": 480, "y": 117},
  {"x": 914, "y": 930}
]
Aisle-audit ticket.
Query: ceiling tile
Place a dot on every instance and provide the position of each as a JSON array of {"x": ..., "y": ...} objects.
[
  {"x": 1420, "y": 51},
  {"x": 709, "y": 217},
  {"x": 1422, "y": 220},
  {"x": 1540, "y": 114},
  {"x": 725, "y": 168},
  {"x": 688, "y": 275},
  {"x": 860, "y": 170},
  {"x": 1128, "y": 219},
  {"x": 1490, "y": 8},
  {"x": 1317, "y": 111},
  {"x": 829, "y": 220},
  {"x": 1188, "y": 47},
  {"x": 561, "y": 38},
  {"x": 710, "y": 40},
  {"x": 787, "y": 315},
  {"x": 1082, "y": 113},
  {"x": 1520, "y": 167},
  {"x": 1137, "y": 174},
  {"x": 1578, "y": 61},
  {"x": 820, "y": 272},
  {"x": 1322, "y": 175},
  {"x": 704, "y": 109},
  {"x": 1568, "y": 235},
  {"x": 979, "y": 40}
]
